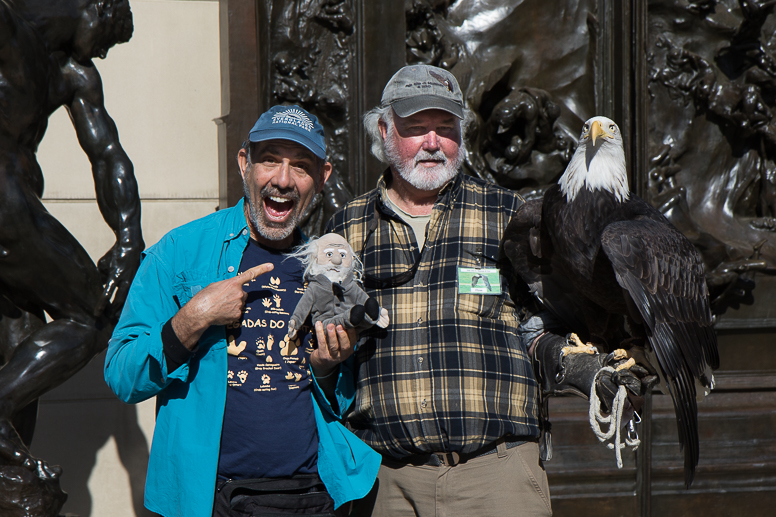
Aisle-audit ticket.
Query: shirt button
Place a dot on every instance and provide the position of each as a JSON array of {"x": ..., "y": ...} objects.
[
  {"x": 420, "y": 320},
  {"x": 420, "y": 360},
  {"x": 423, "y": 404},
  {"x": 230, "y": 269},
  {"x": 245, "y": 232},
  {"x": 231, "y": 235}
]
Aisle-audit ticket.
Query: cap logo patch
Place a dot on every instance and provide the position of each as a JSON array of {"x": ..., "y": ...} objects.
[
  {"x": 294, "y": 117},
  {"x": 442, "y": 80}
]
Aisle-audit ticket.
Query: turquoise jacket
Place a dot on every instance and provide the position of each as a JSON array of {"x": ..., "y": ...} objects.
[{"x": 190, "y": 401}]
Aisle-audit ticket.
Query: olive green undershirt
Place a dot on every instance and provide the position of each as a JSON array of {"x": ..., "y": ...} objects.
[{"x": 418, "y": 223}]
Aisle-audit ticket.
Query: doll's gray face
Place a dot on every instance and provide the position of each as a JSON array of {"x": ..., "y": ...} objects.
[{"x": 335, "y": 259}]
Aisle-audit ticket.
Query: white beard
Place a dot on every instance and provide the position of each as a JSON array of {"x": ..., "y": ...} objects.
[
  {"x": 330, "y": 271},
  {"x": 420, "y": 177}
]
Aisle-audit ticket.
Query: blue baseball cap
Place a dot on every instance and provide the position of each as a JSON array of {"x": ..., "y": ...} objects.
[{"x": 290, "y": 123}]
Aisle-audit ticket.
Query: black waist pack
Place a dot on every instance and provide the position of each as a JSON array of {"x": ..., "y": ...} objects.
[{"x": 270, "y": 497}]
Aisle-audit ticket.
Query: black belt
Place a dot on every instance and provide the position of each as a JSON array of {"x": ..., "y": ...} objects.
[{"x": 451, "y": 459}]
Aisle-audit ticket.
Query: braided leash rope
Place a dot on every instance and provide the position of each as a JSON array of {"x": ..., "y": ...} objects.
[{"x": 614, "y": 419}]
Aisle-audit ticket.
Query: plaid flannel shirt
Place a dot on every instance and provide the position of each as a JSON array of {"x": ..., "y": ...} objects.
[{"x": 449, "y": 373}]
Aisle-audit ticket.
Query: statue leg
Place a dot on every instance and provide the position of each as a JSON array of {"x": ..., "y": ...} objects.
[
  {"x": 45, "y": 360},
  {"x": 15, "y": 326},
  {"x": 42, "y": 268}
]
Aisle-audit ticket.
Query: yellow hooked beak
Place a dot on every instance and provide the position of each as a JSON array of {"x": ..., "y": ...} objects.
[{"x": 597, "y": 131}]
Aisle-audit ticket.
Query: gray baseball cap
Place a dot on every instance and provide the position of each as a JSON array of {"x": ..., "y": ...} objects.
[{"x": 416, "y": 88}]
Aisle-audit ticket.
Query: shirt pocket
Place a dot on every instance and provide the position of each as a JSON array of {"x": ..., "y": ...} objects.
[
  {"x": 485, "y": 306},
  {"x": 188, "y": 283}
]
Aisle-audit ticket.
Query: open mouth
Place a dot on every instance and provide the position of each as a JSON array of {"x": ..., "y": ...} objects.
[{"x": 278, "y": 208}]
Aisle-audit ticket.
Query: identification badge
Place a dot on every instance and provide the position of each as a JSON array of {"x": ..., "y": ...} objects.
[{"x": 484, "y": 280}]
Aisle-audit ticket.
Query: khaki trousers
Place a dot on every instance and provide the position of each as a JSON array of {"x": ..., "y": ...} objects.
[{"x": 509, "y": 482}]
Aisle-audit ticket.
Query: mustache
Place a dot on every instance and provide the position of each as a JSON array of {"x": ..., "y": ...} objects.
[
  {"x": 424, "y": 155},
  {"x": 289, "y": 193}
]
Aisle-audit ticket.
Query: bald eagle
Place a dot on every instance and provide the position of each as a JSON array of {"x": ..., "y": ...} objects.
[{"x": 616, "y": 271}]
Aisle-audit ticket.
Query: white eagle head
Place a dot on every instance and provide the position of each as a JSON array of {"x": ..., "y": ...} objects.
[{"x": 598, "y": 163}]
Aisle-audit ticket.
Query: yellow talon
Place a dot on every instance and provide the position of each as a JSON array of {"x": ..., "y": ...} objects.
[{"x": 627, "y": 364}]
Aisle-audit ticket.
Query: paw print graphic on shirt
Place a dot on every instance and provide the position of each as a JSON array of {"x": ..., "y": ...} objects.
[
  {"x": 289, "y": 347},
  {"x": 242, "y": 375},
  {"x": 265, "y": 379}
]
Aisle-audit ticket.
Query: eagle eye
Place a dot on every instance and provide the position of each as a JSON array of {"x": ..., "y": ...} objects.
[{"x": 613, "y": 127}]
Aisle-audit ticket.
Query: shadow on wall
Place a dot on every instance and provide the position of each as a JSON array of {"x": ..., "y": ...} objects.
[{"x": 74, "y": 422}]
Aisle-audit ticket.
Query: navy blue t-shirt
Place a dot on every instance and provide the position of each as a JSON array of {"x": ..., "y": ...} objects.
[{"x": 269, "y": 425}]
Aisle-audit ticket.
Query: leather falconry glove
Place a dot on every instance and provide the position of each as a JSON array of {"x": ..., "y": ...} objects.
[{"x": 574, "y": 373}]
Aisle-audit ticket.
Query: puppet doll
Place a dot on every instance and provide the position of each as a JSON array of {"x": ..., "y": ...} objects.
[{"x": 333, "y": 294}]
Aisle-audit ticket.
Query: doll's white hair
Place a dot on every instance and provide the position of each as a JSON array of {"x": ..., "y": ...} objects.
[{"x": 307, "y": 252}]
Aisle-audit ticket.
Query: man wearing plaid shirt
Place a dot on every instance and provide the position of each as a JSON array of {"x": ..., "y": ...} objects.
[{"x": 447, "y": 393}]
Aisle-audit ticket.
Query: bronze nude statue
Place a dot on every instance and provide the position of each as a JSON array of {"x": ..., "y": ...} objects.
[{"x": 46, "y": 53}]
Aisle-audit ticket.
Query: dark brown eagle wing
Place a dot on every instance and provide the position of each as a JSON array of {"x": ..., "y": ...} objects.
[
  {"x": 529, "y": 249},
  {"x": 663, "y": 273}
]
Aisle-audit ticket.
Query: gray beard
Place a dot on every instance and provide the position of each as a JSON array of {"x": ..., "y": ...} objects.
[
  {"x": 333, "y": 276},
  {"x": 268, "y": 229}
]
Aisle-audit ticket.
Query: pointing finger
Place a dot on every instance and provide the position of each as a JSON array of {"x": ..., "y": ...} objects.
[{"x": 255, "y": 272}]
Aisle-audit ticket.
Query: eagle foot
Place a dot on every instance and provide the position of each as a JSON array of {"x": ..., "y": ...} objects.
[
  {"x": 617, "y": 355},
  {"x": 576, "y": 346},
  {"x": 626, "y": 365}
]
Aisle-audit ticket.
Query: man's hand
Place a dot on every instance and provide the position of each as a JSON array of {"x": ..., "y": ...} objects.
[
  {"x": 607, "y": 385},
  {"x": 117, "y": 269},
  {"x": 334, "y": 346},
  {"x": 220, "y": 303}
]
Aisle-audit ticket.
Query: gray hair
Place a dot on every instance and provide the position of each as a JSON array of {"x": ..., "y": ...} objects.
[
  {"x": 307, "y": 252},
  {"x": 373, "y": 117}
]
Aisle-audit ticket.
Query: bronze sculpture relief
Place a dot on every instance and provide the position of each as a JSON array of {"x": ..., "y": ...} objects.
[
  {"x": 712, "y": 145},
  {"x": 46, "y": 52},
  {"x": 311, "y": 51}
]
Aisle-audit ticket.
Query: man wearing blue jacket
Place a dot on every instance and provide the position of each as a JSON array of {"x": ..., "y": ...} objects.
[{"x": 204, "y": 330}]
